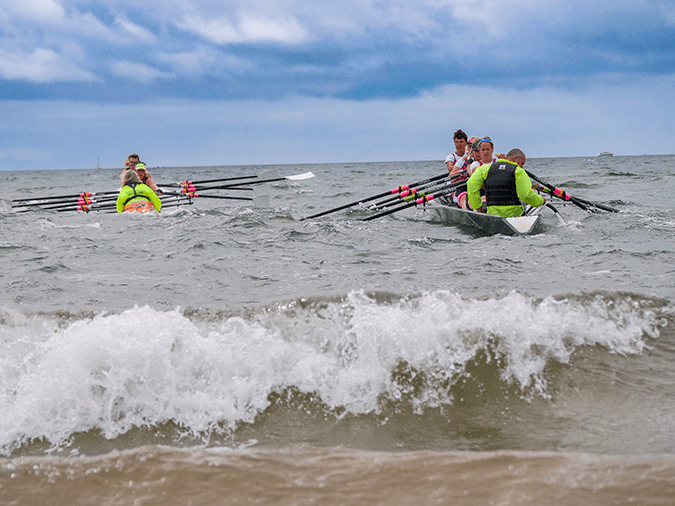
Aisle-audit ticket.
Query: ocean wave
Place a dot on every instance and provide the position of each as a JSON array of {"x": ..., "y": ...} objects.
[{"x": 372, "y": 354}]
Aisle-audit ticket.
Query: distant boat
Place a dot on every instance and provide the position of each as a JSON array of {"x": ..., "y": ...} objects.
[{"x": 606, "y": 153}]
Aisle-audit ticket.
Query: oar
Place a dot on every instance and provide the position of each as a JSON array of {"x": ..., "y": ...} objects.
[
  {"x": 258, "y": 200},
  {"x": 409, "y": 194},
  {"x": 270, "y": 174},
  {"x": 599, "y": 206},
  {"x": 564, "y": 196},
  {"x": 192, "y": 189},
  {"x": 296, "y": 177},
  {"x": 557, "y": 213},
  {"x": 585, "y": 202},
  {"x": 37, "y": 201},
  {"x": 378, "y": 196},
  {"x": 81, "y": 201},
  {"x": 113, "y": 205},
  {"x": 422, "y": 200},
  {"x": 56, "y": 206},
  {"x": 173, "y": 203},
  {"x": 533, "y": 210}
]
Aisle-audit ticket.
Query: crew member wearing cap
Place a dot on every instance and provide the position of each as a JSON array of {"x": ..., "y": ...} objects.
[
  {"x": 133, "y": 162},
  {"x": 136, "y": 196},
  {"x": 507, "y": 186}
]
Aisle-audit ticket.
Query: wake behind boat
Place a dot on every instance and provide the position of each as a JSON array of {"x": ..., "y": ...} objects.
[{"x": 489, "y": 223}]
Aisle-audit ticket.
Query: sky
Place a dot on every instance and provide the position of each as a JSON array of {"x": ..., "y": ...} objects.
[{"x": 222, "y": 82}]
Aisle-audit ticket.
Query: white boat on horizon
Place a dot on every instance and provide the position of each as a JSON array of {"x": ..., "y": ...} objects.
[{"x": 606, "y": 153}]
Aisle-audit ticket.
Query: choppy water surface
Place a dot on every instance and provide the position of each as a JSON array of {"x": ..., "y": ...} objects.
[{"x": 288, "y": 362}]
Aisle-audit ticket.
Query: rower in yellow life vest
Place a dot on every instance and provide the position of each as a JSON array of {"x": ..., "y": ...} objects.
[
  {"x": 136, "y": 196},
  {"x": 507, "y": 186}
]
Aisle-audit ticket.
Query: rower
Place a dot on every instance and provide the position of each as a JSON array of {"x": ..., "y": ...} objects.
[
  {"x": 136, "y": 196},
  {"x": 507, "y": 186},
  {"x": 133, "y": 162},
  {"x": 460, "y": 140}
]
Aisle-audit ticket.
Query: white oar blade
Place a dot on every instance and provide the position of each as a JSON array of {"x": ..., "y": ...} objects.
[
  {"x": 270, "y": 174},
  {"x": 298, "y": 177},
  {"x": 261, "y": 200},
  {"x": 262, "y": 190}
]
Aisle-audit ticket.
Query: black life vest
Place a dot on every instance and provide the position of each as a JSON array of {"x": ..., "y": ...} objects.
[
  {"x": 135, "y": 195},
  {"x": 500, "y": 184}
]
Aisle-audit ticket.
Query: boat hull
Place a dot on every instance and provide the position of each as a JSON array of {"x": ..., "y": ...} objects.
[{"x": 489, "y": 223}]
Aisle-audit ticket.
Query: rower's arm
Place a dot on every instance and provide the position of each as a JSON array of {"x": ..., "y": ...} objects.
[
  {"x": 525, "y": 191},
  {"x": 474, "y": 184}
]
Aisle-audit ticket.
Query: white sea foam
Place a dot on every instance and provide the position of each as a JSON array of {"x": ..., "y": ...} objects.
[{"x": 144, "y": 367}]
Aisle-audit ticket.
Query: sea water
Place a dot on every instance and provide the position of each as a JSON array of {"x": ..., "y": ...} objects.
[{"x": 220, "y": 353}]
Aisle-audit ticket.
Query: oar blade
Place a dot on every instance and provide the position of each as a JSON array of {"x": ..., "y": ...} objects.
[
  {"x": 262, "y": 190},
  {"x": 300, "y": 177},
  {"x": 269, "y": 175},
  {"x": 261, "y": 200}
]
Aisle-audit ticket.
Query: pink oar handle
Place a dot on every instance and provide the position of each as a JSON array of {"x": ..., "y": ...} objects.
[
  {"x": 400, "y": 189},
  {"x": 409, "y": 192},
  {"x": 426, "y": 198}
]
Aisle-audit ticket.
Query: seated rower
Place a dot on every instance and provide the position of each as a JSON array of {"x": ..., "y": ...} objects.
[
  {"x": 133, "y": 162},
  {"x": 507, "y": 186},
  {"x": 136, "y": 196},
  {"x": 463, "y": 170},
  {"x": 460, "y": 140}
]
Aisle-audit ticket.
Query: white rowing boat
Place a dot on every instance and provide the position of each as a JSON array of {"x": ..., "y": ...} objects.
[{"x": 489, "y": 223}]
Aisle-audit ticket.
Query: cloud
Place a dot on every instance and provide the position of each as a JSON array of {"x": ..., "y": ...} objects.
[
  {"x": 204, "y": 61},
  {"x": 544, "y": 122},
  {"x": 667, "y": 11},
  {"x": 247, "y": 29},
  {"x": 47, "y": 12},
  {"x": 138, "y": 72},
  {"x": 40, "y": 66},
  {"x": 136, "y": 32},
  {"x": 25, "y": 16},
  {"x": 24, "y": 154}
]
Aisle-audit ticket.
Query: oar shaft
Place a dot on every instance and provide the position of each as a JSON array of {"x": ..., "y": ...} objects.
[
  {"x": 565, "y": 196},
  {"x": 201, "y": 195},
  {"x": 411, "y": 192},
  {"x": 266, "y": 177},
  {"x": 408, "y": 196},
  {"x": 38, "y": 201},
  {"x": 599, "y": 206},
  {"x": 206, "y": 181},
  {"x": 374, "y": 197},
  {"x": 234, "y": 186},
  {"x": 560, "y": 193},
  {"x": 557, "y": 213},
  {"x": 422, "y": 200},
  {"x": 175, "y": 203},
  {"x": 202, "y": 188},
  {"x": 103, "y": 205}
]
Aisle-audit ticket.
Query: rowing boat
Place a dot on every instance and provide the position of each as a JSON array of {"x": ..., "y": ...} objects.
[{"x": 489, "y": 223}]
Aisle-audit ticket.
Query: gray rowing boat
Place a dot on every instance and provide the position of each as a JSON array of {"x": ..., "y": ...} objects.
[{"x": 489, "y": 223}]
